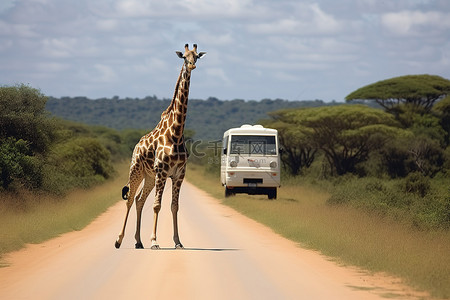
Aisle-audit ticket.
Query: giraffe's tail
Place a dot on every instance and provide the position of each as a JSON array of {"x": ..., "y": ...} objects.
[{"x": 125, "y": 192}]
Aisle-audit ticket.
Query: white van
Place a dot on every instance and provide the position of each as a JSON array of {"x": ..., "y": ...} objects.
[{"x": 250, "y": 161}]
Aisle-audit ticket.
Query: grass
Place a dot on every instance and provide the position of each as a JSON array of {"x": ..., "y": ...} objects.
[
  {"x": 33, "y": 218},
  {"x": 352, "y": 236}
]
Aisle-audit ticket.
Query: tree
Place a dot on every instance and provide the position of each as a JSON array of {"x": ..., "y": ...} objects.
[
  {"x": 25, "y": 134},
  {"x": 420, "y": 91},
  {"x": 428, "y": 157},
  {"x": 442, "y": 110},
  {"x": 23, "y": 116},
  {"x": 298, "y": 151},
  {"x": 346, "y": 133},
  {"x": 37, "y": 151}
]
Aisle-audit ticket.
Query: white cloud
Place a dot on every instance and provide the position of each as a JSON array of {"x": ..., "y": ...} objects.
[
  {"x": 282, "y": 75},
  {"x": 183, "y": 9},
  {"x": 150, "y": 66},
  {"x": 6, "y": 4},
  {"x": 17, "y": 30},
  {"x": 59, "y": 48},
  {"x": 325, "y": 23},
  {"x": 218, "y": 74},
  {"x": 304, "y": 20},
  {"x": 5, "y": 45},
  {"x": 107, "y": 24},
  {"x": 134, "y": 7},
  {"x": 104, "y": 73},
  {"x": 52, "y": 67},
  {"x": 224, "y": 39},
  {"x": 415, "y": 22}
]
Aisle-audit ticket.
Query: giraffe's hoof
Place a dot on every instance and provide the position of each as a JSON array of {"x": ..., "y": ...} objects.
[
  {"x": 139, "y": 246},
  {"x": 117, "y": 245},
  {"x": 179, "y": 246},
  {"x": 155, "y": 247}
]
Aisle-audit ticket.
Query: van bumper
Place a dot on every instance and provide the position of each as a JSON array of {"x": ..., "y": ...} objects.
[{"x": 252, "y": 180}]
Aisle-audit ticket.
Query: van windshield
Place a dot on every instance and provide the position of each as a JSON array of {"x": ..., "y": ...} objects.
[{"x": 253, "y": 144}]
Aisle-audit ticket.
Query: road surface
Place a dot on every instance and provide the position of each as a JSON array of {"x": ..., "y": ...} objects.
[{"x": 226, "y": 256}]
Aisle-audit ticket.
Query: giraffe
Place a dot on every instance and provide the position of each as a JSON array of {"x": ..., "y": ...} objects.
[{"x": 159, "y": 155}]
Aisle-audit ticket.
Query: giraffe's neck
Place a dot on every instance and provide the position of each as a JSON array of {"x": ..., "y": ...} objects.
[{"x": 176, "y": 112}]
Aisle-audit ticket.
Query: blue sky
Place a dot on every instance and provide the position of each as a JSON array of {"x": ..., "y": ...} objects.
[{"x": 296, "y": 50}]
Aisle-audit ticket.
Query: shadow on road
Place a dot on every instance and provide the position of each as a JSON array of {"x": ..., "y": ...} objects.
[
  {"x": 186, "y": 249},
  {"x": 201, "y": 249}
]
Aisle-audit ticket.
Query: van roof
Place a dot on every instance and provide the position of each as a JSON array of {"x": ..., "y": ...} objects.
[{"x": 251, "y": 129}]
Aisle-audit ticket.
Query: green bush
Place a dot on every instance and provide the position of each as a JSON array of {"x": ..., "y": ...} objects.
[
  {"x": 418, "y": 200},
  {"x": 41, "y": 152},
  {"x": 78, "y": 162},
  {"x": 23, "y": 116},
  {"x": 18, "y": 165},
  {"x": 417, "y": 183}
]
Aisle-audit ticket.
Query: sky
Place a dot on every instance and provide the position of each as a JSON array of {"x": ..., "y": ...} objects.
[{"x": 256, "y": 49}]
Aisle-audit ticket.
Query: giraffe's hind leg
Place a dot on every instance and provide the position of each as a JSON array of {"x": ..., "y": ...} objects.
[
  {"x": 149, "y": 183},
  {"x": 122, "y": 233},
  {"x": 135, "y": 180}
]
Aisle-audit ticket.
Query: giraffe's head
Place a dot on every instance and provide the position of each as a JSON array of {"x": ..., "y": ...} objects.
[{"x": 190, "y": 56}]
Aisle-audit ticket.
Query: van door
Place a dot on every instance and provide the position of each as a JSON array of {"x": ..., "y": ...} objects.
[{"x": 224, "y": 160}]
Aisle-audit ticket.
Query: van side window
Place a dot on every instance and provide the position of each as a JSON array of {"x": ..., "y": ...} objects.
[{"x": 225, "y": 145}]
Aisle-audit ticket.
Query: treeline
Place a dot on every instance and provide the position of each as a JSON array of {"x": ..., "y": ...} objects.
[
  {"x": 208, "y": 119},
  {"x": 42, "y": 153},
  {"x": 395, "y": 161}
]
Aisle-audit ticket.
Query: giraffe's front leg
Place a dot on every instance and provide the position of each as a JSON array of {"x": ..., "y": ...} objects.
[
  {"x": 139, "y": 205},
  {"x": 176, "y": 185},
  {"x": 160, "y": 182},
  {"x": 176, "y": 238},
  {"x": 149, "y": 183}
]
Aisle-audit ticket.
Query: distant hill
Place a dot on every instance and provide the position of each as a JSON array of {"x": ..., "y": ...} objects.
[{"x": 208, "y": 118}]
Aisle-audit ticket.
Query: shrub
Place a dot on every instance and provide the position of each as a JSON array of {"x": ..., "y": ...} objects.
[
  {"x": 17, "y": 165},
  {"x": 417, "y": 183},
  {"x": 83, "y": 157},
  {"x": 375, "y": 186}
]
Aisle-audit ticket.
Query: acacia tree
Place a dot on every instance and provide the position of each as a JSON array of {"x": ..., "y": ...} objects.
[
  {"x": 419, "y": 91},
  {"x": 442, "y": 110},
  {"x": 298, "y": 150},
  {"x": 346, "y": 133}
]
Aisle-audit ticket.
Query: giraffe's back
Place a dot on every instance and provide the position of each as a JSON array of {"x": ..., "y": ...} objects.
[{"x": 156, "y": 152}]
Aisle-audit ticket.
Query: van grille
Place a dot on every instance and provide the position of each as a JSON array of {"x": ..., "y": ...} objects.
[{"x": 253, "y": 180}]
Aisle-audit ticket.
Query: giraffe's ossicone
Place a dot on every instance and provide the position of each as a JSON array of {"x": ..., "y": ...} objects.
[{"x": 161, "y": 154}]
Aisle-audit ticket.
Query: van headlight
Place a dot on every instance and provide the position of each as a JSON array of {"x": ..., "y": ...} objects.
[
  {"x": 273, "y": 164},
  {"x": 233, "y": 164}
]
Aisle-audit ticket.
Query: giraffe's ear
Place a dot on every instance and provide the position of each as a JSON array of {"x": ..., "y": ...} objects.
[
  {"x": 180, "y": 55},
  {"x": 201, "y": 54}
]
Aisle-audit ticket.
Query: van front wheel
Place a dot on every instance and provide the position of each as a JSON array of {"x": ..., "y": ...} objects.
[
  {"x": 272, "y": 193},
  {"x": 228, "y": 192}
]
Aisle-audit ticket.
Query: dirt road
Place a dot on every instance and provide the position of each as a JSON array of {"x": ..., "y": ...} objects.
[{"x": 227, "y": 256}]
